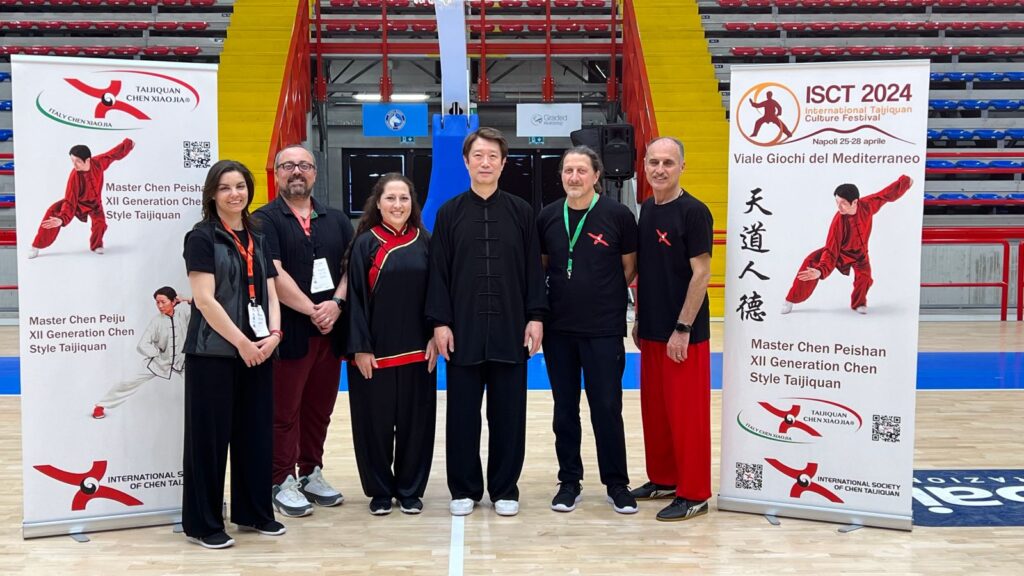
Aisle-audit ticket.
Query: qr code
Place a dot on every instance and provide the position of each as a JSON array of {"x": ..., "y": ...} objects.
[
  {"x": 195, "y": 154},
  {"x": 748, "y": 476},
  {"x": 885, "y": 428}
]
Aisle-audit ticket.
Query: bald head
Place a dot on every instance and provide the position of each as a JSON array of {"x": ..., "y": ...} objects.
[{"x": 663, "y": 165}]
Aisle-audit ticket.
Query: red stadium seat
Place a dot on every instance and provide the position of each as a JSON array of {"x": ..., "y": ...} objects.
[
  {"x": 367, "y": 26},
  {"x": 370, "y": 4},
  {"x": 511, "y": 4},
  {"x": 186, "y": 50},
  {"x": 765, "y": 26},
  {"x": 478, "y": 28},
  {"x": 991, "y": 26},
  {"x": 343, "y": 3},
  {"x": 511, "y": 28},
  {"x": 37, "y": 50},
  {"x": 920, "y": 50},
  {"x": 535, "y": 4},
  {"x": 595, "y": 27},
  {"x": 18, "y": 25},
  {"x": 860, "y": 50},
  {"x": 787, "y": 3},
  {"x": 33, "y": 2},
  {"x": 931, "y": 25},
  {"x": 1006, "y": 50},
  {"x": 849, "y": 26},
  {"x": 743, "y": 51},
  {"x": 118, "y": 3},
  {"x": 1015, "y": 26},
  {"x": 869, "y": 3},
  {"x": 194, "y": 26},
  {"x": 594, "y": 3},
  {"x": 736, "y": 26},
  {"x": 89, "y": 3},
  {"x": 202, "y": 3},
  {"x": 398, "y": 3},
  {"x": 822, "y": 26},
  {"x": 759, "y": 3},
  {"x": 880, "y": 26},
  {"x": 962, "y": 26},
  {"x": 801, "y": 51},
  {"x": 890, "y": 50},
  {"x": 537, "y": 28},
  {"x": 424, "y": 27},
  {"x": 126, "y": 50},
  {"x": 831, "y": 51},
  {"x": 77, "y": 25},
  {"x": 106, "y": 26},
  {"x": 946, "y": 50},
  {"x": 144, "y": 3},
  {"x": 949, "y": 3},
  {"x": 840, "y": 4},
  {"x": 397, "y": 26},
  {"x": 564, "y": 3},
  {"x": 567, "y": 27},
  {"x": 334, "y": 27},
  {"x": 48, "y": 25},
  {"x": 794, "y": 26},
  {"x": 165, "y": 26},
  {"x": 173, "y": 3},
  {"x": 813, "y": 5},
  {"x": 156, "y": 50},
  {"x": 909, "y": 26},
  {"x": 8, "y": 50},
  {"x": 773, "y": 51},
  {"x": 96, "y": 50},
  {"x": 52, "y": 2},
  {"x": 977, "y": 50},
  {"x": 135, "y": 25}
]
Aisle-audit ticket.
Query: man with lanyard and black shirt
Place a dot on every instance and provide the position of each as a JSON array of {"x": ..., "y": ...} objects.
[
  {"x": 588, "y": 246},
  {"x": 672, "y": 332},
  {"x": 486, "y": 301},
  {"x": 306, "y": 241}
]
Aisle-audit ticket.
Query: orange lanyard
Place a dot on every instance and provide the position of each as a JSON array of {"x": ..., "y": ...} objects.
[{"x": 247, "y": 255}]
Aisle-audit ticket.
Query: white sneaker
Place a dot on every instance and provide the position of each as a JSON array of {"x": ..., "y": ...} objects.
[
  {"x": 787, "y": 307},
  {"x": 861, "y": 309},
  {"x": 33, "y": 252},
  {"x": 461, "y": 506},
  {"x": 289, "y": 501},
  {"x": 506, "y": 507},
  {"x": 98, "y": 250},
  {"x": 318, "y": 491}
]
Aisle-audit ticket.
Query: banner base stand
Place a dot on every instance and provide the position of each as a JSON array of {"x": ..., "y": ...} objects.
[
  {"x": 80, "y": 538},
  {"x": 177, "y": 529},
  {"x": 848, "y": 517},
  {"x": 773, "y": 520},
  {"x": 79, "y": 527},
  {"x": 849, "y": 528}
]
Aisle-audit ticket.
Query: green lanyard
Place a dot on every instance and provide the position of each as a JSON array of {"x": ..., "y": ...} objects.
[{"x": 574, "y": 236}]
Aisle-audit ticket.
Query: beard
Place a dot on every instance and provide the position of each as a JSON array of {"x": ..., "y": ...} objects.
[{"x": 296, "y": 188}]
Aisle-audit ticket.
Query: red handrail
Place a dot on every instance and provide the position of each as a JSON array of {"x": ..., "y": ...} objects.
[
  {"x": 293, "y": 104},
  {"x": 636, "y": 93}
]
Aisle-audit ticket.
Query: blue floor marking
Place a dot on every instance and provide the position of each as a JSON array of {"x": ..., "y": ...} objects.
[{"x": 935, "y": 371}]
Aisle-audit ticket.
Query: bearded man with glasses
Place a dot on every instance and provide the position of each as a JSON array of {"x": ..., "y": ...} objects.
[{"x": 306, "y": 241}]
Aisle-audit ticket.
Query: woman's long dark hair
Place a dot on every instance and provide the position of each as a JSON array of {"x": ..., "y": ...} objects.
[
  {"x": 216, "y": 172},
  {"x": 371, "y": 214}
]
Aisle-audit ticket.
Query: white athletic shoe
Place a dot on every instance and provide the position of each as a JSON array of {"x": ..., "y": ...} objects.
[
  {"x": 461, "y": 506},
  {"x": 32, "y": 253},
  {"x": 506, "y": 507},
  {"x": 861, "y": 309},
  {"x": 787, "y": 307},
  {"x": 98, "y": 250},
  {"x": 289, "y": 501},
  {"x": 317, "y": 490}
]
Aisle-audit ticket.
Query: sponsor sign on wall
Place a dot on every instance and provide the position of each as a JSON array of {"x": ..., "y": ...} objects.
[
  {"x": 826, "y": 175},
  {"x": 111, "y": 159},
  {"x": 548, "y": 119},
  {"x": 395, "y": 120}
]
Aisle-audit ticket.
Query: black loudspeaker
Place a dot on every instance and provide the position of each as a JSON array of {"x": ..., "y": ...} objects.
[
  {"x": 618, "y": 151},
  {"x": 591, "y": 136}
]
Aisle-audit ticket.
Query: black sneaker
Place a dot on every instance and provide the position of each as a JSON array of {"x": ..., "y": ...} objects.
[
  {"x": 652, "y": 491},
  {"x": 271, "y": 528},
  {"x": 380, "y": 505},
  {"x": 621, "y": 500},
  {"x": 567, "y": 498},
  {"x": 214, "y": 541},
  {"x": 682, "y": 509},
  {"x": 410, "y": 505}
]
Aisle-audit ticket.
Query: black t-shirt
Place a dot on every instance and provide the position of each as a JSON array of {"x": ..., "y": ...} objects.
[
  {"x": 593, "y": 301},
  {"x": 199, "y": 258},
  {"x": 671, "y": 234}
]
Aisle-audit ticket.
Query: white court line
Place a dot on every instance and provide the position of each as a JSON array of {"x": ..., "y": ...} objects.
[{"x": 456, "y": 549}]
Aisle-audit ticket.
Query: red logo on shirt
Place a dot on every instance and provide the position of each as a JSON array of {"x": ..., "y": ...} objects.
[
  {"x": 663, "y": 237},
  {"x": 598, "y": 239}
]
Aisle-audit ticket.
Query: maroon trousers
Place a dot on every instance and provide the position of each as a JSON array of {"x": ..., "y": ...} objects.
[
  {"x": 862, "y": 281},
  {"x": 46, "y": 236},
  {"x": 305, "y": 390},
  {"x": 675, "y": 401}
]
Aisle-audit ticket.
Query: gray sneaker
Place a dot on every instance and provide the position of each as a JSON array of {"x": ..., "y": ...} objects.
[
  {"x": 318, "y": 491},
  {"x": 289, "y": 501}
]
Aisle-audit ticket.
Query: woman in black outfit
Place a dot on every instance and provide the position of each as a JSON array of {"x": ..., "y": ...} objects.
[
  {"x": 232, "y": 334},
  {"x": 392, "y": 387}
]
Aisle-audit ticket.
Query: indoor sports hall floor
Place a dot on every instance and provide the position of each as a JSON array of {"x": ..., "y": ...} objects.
[{"x": 970, "y": 414}]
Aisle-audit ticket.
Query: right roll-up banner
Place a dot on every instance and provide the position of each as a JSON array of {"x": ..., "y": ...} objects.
[{"x": 826, "y": 192}]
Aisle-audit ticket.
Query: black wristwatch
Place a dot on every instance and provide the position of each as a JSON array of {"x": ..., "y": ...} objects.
[
  {"x": 684, "y": 328},
  {"x": 339, "y": 302}
]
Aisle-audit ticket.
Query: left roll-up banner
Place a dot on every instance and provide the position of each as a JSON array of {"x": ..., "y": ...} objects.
[{"x": 110, "y": 160}]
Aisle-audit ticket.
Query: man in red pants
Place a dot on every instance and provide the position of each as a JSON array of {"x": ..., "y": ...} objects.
[
  {"x": 672, "y": 332},
  {"x": 847, "y": 245},
  {"x": 83, "y": 197}
]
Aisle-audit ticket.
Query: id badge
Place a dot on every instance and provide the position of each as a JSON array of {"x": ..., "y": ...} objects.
[
  {"x": 258, "y": 321},
  {"x": 321, "y": 277}
]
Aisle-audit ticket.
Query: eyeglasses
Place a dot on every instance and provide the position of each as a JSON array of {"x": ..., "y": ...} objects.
[{"x": 302, "y": 166}]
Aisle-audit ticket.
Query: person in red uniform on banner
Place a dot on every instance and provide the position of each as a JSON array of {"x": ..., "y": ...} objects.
[
  {"x": 83, "y": 197},
  {"x": 672, "y": 331},
  {"x": 846, "y": 247}
]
